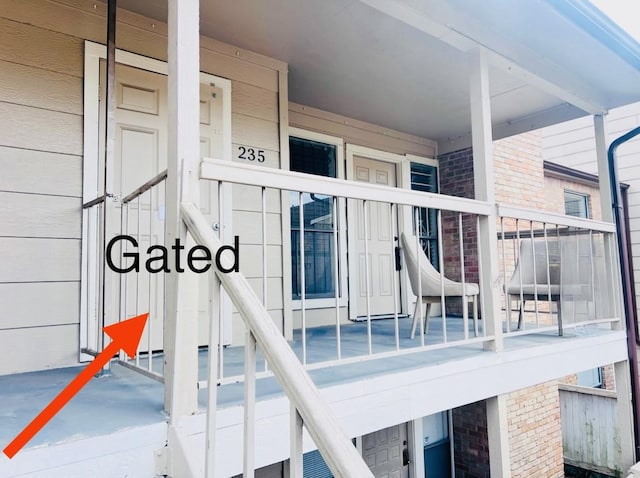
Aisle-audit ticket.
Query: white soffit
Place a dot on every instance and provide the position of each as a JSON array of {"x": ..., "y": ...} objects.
[{"x": 403, "y": 64}]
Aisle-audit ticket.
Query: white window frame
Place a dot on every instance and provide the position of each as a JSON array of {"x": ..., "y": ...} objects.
[
  {"x": 326, "y": 302},
  {"x": 585, "y": 196}
]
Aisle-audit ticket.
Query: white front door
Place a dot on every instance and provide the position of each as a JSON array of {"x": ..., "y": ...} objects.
[
  {"x": 140, "y": 154},
  {"x": 385, "y": 451},
  {"x": 379, "y": 270}
]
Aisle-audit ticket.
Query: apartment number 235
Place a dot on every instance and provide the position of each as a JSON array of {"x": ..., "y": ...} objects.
[{"x": 251, "y": 154}]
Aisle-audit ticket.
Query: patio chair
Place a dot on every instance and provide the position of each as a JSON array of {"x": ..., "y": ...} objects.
[
  {"x": 564, "y": 275},
  {"x": 537, "y": 278},
  {"x": 426, "y": 283}
]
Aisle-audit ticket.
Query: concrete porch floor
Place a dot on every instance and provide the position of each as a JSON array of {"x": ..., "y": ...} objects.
[{"x": 125, "y": 399}]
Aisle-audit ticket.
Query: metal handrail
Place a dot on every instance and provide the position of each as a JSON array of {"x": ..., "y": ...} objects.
[
  {"x": 336, "y": 448},
  {"x": 145, "y": 187},
  {"x": 93, "y": 202}
]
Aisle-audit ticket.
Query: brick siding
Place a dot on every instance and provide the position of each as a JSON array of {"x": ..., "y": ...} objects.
[{"x": 471, "y": 442}]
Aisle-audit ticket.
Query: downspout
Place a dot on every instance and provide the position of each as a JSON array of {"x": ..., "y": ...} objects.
[
  {"x": 632, "y": 280},
  {"x": 627, "y": 292}
]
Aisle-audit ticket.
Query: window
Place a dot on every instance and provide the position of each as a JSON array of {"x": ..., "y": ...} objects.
[
  {"x": 313, "y": 157},
  {"x": 590, "y": 378},
  {"x": 424, "y": 177},
  {"x": 576, "y": 204}
]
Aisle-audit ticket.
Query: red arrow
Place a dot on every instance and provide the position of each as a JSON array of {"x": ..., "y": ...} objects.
[{"x": 124, "y": 335}]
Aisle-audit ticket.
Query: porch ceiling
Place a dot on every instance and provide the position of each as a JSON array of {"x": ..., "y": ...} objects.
[{"x": 403, "y": 64}]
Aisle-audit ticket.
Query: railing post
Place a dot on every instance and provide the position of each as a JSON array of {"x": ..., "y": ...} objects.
[
  {"x": 295, "y": 461},
  {"x": 181, "y": 321},
  {"x": 484, "y": 187}
]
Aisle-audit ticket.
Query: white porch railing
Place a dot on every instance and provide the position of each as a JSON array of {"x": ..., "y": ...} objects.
[
  {"x": 307, "y": 408},
  {"x": 142, "y": 219},
  {"x": 91, "y": 303},
  {"x": 396, "y": 211},
  {"x": 560, "y": 271}
]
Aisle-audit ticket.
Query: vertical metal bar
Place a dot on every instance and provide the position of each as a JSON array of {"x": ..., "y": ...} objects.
[
  {"x": 560, "y": 298},
  {"x": 546, "y": 245},
  {"x": 480, "y": 266},
  {"x": 336, "y": 276},
  {"x": 521, "y": 319},
  {"x": 151, "y": 313},
  {"x": 221, "y": 311},
  {"x": 365, "y": 213},
  {"x": 303, "y": 284},
  {"x": 577, "y": 276},
  {"x": 419, "y": 301},
  {"x": 295, "y": 460},
  {"x": 122, "y": 278},
  {"x": 100, "y": 291},
  {"x": 265, "y": 275},
  {"x": 593, "y": 275},
  {"x": 394, "y": 235},
  {"x": 535, "y": 274},
  {"x": 249, "y": 404},
  {"x": 507, "y": 302},
  {"x": 212, "y": 373},
  {"x": 89, "y": 213},
  {"x": 441, "y": 262},
  {"x": 138, "y": 276},
  {"x": 465, "y": 305}
]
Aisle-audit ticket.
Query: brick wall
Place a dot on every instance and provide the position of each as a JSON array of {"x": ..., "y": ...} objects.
[
  {"x": 518, "y": 170},
  {"x": 456, "y": 179},
  {"x": 470, "y": 441},
  {"x": 535, "y": 434}
]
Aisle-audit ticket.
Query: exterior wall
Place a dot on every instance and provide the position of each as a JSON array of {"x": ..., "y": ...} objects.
[
  {"x": 471, "y": 442},
  {"x": 519, "y": 175},
  {"x": 535, "y": 431},
  {"x": 41, "y": 117}
]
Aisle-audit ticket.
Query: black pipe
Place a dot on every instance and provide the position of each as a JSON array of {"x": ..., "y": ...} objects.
[
  {"x": 627, "y": 291},
  {"x": 632, "y": 280},
  {"x": 109, "y": 143}
]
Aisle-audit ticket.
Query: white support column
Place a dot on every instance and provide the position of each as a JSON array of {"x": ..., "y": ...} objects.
[
  {"x": 624, "y": 416},
  {"x": 181, "y": 321},
  {"x": 614, "y": 303},
  {"x": 498, "y": 435},
  {"x": 484, "y": 186},
  {"x": 604, "y": 178}
]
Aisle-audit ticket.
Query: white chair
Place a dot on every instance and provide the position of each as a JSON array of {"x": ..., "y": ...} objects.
[
  {"x": 426, "y": 282},
  {"x": 536, "y": 276},
  {"x": 555, "y": 270}
]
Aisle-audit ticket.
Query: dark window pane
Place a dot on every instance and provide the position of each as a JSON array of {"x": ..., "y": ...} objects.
[
  {"x": 425, "y": 178},
  {"x": 312, "y": 157}
]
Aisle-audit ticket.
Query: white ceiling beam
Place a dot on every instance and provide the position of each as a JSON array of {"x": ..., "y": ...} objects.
[{"x": 464, "y": 32}]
